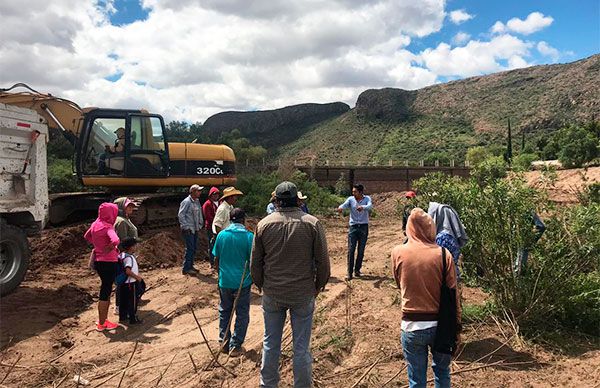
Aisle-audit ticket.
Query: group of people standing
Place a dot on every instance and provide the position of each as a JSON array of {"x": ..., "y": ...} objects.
[{"x": 287, "y": 260}]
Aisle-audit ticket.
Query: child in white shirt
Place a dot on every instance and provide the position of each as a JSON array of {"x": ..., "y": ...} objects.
[{"x": 129, "y": 302}]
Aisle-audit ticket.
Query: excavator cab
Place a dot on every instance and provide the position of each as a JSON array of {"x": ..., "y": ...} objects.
[{"x": 116, "y": 144}]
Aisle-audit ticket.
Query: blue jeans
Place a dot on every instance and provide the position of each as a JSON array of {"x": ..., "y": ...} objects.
[
  {"x": 242, "y": 316},
  {"x": 415, "y": 345},
  {"x": 191, "y": 242},
  {"x": 301, "y": 317},
  {"x": 357, "y": 234}
]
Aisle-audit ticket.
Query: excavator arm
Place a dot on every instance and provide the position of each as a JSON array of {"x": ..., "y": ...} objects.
[{"x": 58, "y": 112}]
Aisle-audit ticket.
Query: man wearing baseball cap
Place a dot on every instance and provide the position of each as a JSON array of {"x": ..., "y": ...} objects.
[
  {"x": 190, "y": 222},
  {"x": 290, "y": 264},
  {"x": 410, "y": 204}
]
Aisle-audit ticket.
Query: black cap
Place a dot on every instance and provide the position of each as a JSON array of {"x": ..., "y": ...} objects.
[
  {"x": 237, "y": 215},
  {"x": 127, "y": 243},
  {"x": 286, "y": 190}
]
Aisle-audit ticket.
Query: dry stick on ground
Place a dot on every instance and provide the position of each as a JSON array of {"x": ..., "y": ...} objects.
[
  {"x": 492, "y": 352},
  {"x": 165, "y": 371},
  {"x": 465, "y": 370},
  {"x": 61, "y": 381},
  {"x": 62, "y": 354},
  {"x": 394, "y": 376},
  {"x": 208, "y": 345},
  {"x": 128, "y": 362},
  {"x": 367, "y": 372},
  {"x": 193, "y": 363},
  {"x": 11, "y": 369},
  {"x": 115, "y": 375}
]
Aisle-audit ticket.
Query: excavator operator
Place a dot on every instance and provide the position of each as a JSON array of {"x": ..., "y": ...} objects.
[{"x": 113, "y": 152}]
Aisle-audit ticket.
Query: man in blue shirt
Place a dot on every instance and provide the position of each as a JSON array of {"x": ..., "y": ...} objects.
[
  {"x": 360, "y": 206},
  {"x": 232, "y": 250}
]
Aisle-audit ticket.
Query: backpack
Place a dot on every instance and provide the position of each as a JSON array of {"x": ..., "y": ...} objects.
[
  {"x": 121, "y": 275},
  {"x": 445, "y": 336}
]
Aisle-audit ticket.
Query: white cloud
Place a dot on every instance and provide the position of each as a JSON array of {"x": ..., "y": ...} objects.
[
  {"x": 476, "y": 57},
  {"x": 460, "y": 38},
  {"x": 534, "y": 22},
  {"x": 460, "y": 16},
  {"x": 548, "y": 51},
  {"x": 188, "y": 60}
]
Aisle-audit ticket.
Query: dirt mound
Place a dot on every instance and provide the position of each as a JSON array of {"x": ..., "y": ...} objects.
[
  {"x": 58, "y": 246},
  {"x": 161, "y": 250},
  {"x": 568, "y": 184}
]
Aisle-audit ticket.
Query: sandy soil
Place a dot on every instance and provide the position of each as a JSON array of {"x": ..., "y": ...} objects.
[
  {"x": 47, "y": 327},
  {"x": 568, "y": 184}
]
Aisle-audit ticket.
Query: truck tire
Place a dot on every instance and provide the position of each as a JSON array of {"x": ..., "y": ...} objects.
[{"x": 14, "y": 258}]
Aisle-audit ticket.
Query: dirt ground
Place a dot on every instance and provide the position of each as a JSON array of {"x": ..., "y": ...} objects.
[
  {"x": 568, "y": 184},
  {"x": 47, "y": 326}
]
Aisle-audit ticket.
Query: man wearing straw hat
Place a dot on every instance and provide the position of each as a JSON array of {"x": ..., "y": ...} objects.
[
  {"x": 228, "y": 199},
  {"x": 232, "y": 259}
]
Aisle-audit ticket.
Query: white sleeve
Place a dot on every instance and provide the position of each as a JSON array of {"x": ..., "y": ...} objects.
[{"x": 128, "y": 262}]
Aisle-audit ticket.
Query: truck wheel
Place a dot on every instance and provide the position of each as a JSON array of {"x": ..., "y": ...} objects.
[{"x": 14, "y": 258}]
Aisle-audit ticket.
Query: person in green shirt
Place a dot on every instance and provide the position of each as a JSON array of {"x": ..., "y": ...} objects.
[{"x": 232, "y": 250}]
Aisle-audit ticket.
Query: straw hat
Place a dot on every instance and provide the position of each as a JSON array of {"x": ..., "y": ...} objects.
[
  {"x": 229, "y": 192},
  {"x": 300, "y": 196}
]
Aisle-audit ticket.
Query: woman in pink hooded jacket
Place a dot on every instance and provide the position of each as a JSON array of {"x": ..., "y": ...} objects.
[{"x": 103, "y": 237}]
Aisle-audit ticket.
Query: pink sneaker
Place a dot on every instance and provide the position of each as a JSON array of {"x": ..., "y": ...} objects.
[
  {"x": 108, "y": 325},
  {"x": 100, "y": 327}
]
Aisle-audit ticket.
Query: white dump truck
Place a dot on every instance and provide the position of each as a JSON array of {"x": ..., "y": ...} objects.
[{"x": 24, "y": 204}]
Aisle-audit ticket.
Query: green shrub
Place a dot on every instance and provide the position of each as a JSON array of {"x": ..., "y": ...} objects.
[
  {"x": 561, "y": 277},
  {"x": 476, "y": 155},
  {"x": 61, "y": 178},
  {"x": 494, "y": 167},
  {"x": 257, "y": 189},
  {"x": 522, "y": 162}
]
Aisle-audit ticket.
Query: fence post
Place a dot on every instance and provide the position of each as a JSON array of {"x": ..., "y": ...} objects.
[
  {"x": 437, "y": 163},
  {"x": 406, "y": 163},
  {"x": 422, "y": 163},
  {"x": 327, "y": 162},
  {"x": 391, "y": 162},
  {"x": 263, "y": 162},
  {"x": 247, "y": 161},
  {"x": 452, "y": 163}
]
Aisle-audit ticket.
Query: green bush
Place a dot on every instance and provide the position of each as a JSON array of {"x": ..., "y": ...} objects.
[
  {"x": 494, "y": 167},
  {"x": 561, "y": 278},
  {"x": 61, "y": 178},
  {"x": 522, "y": 162},
  {"x": 257, "y": 189},
  {"x": 476, "y": 155}
]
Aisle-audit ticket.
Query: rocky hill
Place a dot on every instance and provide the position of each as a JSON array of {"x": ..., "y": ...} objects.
[
  {"x": 442, "y": 121},
  {"x": 274, "y": 128}
]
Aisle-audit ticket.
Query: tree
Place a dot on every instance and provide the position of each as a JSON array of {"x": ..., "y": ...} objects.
[
  {"x": 476, "y": 155},
  {"x": 578, "y": 147},
  {"x": 508, "y": 155}
]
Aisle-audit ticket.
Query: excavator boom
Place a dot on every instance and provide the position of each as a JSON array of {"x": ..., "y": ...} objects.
[{"x": 59, "y": 112}]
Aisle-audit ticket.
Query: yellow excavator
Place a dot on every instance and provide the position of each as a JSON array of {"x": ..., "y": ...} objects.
[{"x": 127, "y": 153}]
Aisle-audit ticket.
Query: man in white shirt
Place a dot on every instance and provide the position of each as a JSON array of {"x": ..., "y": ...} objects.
[{"x": 229, "y": 198}]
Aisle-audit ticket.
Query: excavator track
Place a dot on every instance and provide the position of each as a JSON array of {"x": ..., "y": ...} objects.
[{"x": 154, "y": 210}]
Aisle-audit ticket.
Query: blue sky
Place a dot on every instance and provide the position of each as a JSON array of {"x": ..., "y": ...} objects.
[
  {"x": 576, "y": 25},
  {"x": 189, "y": 59}
]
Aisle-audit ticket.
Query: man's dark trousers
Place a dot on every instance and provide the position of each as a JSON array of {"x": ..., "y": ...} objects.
[{"x": 357, "y": 235}]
